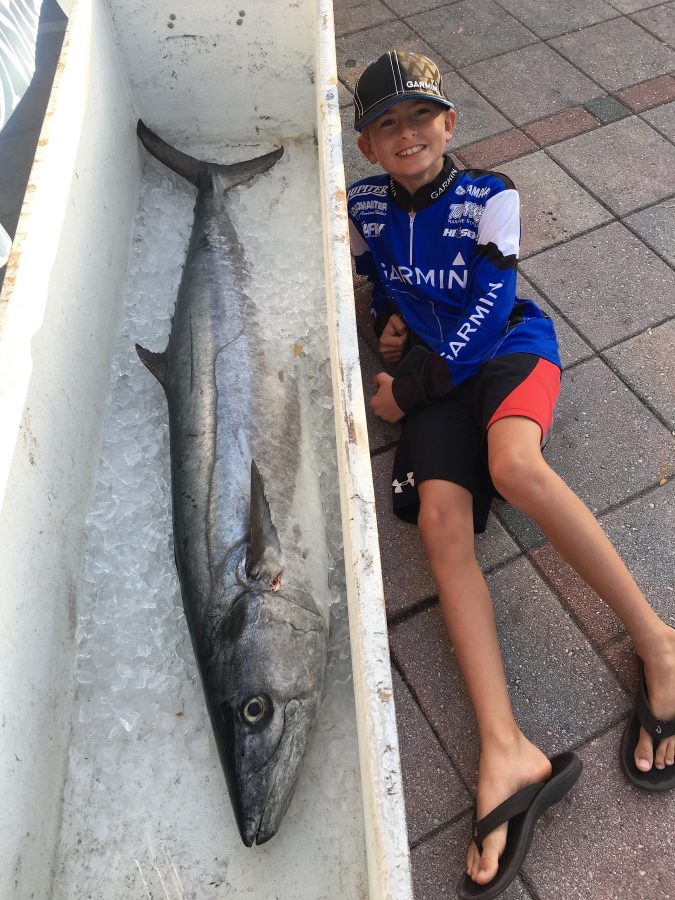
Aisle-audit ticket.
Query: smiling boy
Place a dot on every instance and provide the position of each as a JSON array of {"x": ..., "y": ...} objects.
[{"x": 476, "y": 383}]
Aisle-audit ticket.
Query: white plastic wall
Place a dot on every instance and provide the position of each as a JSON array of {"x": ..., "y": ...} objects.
[
  {"x": 58, "y": 315},
  {"x": 384, "y": 811},
  {"x": 227, "y": 70}
]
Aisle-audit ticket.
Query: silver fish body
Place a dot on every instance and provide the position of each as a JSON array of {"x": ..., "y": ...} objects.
[{"x": 261, "y": 648}]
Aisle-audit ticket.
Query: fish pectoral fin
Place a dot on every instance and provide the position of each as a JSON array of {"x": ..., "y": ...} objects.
[
  {"x": 154, "y": 362},
  {"x": 264, "y": 558}
]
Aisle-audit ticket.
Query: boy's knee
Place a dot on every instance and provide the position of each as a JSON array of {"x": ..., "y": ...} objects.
[
  {"x": 443, "y": 523},
  {"x": 515, "y": 472}
]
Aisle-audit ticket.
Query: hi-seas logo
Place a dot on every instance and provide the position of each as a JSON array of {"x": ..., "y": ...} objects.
[{"x": 460, "y": 232}]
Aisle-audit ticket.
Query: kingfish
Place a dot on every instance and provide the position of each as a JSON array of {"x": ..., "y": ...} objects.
[{"x": 260, "y": 647}]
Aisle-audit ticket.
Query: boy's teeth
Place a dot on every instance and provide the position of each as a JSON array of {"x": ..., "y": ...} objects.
[{"x": 411, "y": 150}]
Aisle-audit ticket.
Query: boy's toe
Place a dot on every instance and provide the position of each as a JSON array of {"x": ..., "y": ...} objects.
[
  {"x": 665, "y": 754},
  {"x": 471, "y": 860},
  {"x": 488, "y": 865},
  {"x": 660, "y": 755},
  {"x": 670, "y": 752},
  {"x": 644, "y": 752}
]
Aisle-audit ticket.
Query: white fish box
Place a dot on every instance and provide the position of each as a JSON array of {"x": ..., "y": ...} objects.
[{"x": 129, "y": 817}]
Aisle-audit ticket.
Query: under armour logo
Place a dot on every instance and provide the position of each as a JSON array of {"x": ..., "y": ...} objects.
[{"x": 399, "y": 485}]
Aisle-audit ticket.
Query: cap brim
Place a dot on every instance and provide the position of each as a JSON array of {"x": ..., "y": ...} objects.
[{"x": 375, "y": 111}]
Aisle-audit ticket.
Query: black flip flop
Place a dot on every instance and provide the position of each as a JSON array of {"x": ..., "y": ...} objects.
[
  {"x": 658, "y": 729},
  {"x": 521, "y": 811}
]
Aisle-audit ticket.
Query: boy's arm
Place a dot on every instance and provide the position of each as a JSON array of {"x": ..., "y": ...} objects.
[
  {"x": 490, "y": 297},
  {"x": 381, "y": 308}
]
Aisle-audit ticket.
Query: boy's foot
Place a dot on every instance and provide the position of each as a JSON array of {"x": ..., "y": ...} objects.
[
  {"x": 659, "y": 667},
  {"x": 505, "y": 767}
]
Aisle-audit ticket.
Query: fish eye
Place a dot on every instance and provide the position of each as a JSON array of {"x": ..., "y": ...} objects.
[{"x": 254, "y": 709}]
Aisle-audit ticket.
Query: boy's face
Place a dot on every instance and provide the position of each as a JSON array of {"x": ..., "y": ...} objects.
[{"x": 408, "y": 141}]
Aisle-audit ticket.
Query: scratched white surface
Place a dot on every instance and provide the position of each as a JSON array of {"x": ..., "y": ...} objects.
[
  {"x": 146, "y": 812},
  {"x": 237, "y": 68}
]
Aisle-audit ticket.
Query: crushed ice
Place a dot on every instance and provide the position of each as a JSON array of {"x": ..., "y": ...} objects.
[{"x": 144, "y": 783}]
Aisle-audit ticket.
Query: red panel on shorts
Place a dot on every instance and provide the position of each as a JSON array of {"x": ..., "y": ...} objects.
[{"x": 534, "y": 398}]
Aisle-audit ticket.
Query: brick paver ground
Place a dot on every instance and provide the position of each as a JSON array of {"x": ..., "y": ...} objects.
[{"x": 573, "y": 99}]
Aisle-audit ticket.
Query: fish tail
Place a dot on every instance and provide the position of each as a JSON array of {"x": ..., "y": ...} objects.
[
  {"x": 173, "y": 159},
  {"x": 197, "y": 171}
]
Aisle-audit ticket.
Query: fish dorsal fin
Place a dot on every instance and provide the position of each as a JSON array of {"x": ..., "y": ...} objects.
[
  {"x": 263, "y": 560},
  {"x": 154, "y": 362}
]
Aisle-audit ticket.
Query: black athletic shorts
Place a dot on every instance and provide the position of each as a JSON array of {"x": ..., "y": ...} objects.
[{"x": 447, "y": 439}]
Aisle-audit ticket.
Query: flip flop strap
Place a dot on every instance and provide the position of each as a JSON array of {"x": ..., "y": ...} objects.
[
  {"x": 657, "y": 728},
  {"x": 512, "y": 806}
]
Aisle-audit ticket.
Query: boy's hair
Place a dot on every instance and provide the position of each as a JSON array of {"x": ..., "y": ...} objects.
[{"x": 395, "y": 76}]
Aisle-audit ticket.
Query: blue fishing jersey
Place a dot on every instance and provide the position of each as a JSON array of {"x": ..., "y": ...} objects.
[{"x": 445, "y": 260}]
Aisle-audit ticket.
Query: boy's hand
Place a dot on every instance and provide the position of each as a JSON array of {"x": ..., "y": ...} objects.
[
  {"x": 392, "y": 339},
  {"x": 383, "y": 403}
]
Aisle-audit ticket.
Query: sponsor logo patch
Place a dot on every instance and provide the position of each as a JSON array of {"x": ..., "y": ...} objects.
[
  {"x": 442, "y": 278},
  {"x": 460, "y": 232},
  {"x": 377, "y": 207},
  {"x": 480, "y": 313},
  {"x": 372, "y": 229},
  {"x": 379, "y": 190},
  {"x": 468, "y": 211},
  {"x": 477, "y": 192},
  {"x": 422, "y": 85},
  {"x": 446, "y": 184}
]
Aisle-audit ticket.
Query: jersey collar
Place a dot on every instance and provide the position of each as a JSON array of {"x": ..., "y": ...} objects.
[{"x": 428, "y": 193}]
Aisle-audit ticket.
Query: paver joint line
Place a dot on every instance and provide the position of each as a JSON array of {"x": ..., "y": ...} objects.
[{"x": 413, "y": 693}]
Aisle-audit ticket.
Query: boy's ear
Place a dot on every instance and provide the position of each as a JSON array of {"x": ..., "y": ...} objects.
[
  {"x": 366, "y": 147},
  {"x": 450, "y": 116}
]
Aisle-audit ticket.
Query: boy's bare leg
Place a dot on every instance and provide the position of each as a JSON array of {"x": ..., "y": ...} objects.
[
  {"x": 508, "y": 761},
  {"x": 522, "y": 476}
]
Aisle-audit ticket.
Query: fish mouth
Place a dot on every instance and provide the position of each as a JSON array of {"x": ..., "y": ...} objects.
[{"x": 283, "y": 767}]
